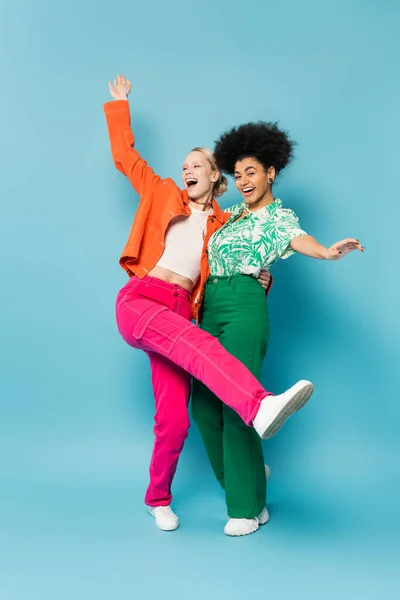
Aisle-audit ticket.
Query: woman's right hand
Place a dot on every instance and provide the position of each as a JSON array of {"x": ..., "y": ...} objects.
[
  {"x": 342, "y": 248},
  {"x": 121, "y": 88}
]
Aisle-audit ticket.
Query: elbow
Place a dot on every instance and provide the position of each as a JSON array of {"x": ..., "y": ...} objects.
[
  {"x": 118, "y": 162},
  {"x": 295, "y": 245},
  {"x": 118, "y": 165}
]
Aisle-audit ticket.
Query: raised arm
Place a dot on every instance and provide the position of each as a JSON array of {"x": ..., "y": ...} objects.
[
  {"x": 308, "y": 245},
  {"x": 126, "y": 158}
]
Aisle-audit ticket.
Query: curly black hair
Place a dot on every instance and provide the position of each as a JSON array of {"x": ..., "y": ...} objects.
[{"x": 271, "y": 146}]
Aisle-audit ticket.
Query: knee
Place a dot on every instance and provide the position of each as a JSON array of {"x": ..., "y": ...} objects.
[{"x": 175, "y": 428}]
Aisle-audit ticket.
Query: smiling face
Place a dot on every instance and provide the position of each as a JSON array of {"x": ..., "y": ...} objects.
[
  {"x": 254, "y": 182},
  {"x": 197, "y": 175}
]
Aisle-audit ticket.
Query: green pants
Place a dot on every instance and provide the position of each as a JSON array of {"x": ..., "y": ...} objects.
[{"x": 235, "y": 312}]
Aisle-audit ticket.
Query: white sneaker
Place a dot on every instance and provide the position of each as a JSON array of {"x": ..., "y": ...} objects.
[
  {"x": 263, "y": 517},
  {"x": 165, "y": 518},
  {"x": 238, "y": 527},
  {"x": 274, "y": 410}
]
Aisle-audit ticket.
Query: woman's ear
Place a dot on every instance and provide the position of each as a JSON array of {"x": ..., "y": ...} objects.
[
  {"x": 216, "y": 176},
  {"x": 271, "y": 172}
]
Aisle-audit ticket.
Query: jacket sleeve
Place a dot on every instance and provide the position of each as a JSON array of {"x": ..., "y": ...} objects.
[{"x": 126, "y": 158}]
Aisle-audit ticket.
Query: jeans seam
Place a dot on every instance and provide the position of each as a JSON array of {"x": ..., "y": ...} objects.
[
  {"x": 173, "y": 339},
  {"x": 137, "y": 312},
  {"x": 131, "y": 286},
  {"x": 165, "y": 287},
  {"x": 147, "y": 325},
  {"x": 242, "y": 390}
]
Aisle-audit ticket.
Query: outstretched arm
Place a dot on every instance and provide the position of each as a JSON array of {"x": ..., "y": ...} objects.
[
  {"x": 307, "y": 245},
  {"x": 126, "y": 158}
]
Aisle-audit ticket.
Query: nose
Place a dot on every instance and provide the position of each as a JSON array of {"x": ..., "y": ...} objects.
[{"x": 244, "y": 182}]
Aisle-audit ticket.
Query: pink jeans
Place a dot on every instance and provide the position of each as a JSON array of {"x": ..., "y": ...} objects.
[{"x": 154, "y": 316}]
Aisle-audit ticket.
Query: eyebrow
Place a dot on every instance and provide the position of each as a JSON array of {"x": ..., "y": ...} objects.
[
  {"x": 195, "y": 162},
  {"x": 246, "y": 169}
]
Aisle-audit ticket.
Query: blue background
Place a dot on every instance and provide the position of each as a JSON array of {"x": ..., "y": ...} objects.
[{"x": 76, "y": 403}]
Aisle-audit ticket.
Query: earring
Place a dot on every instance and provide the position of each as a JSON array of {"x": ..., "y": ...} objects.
[{"x": 270, "y": 180}]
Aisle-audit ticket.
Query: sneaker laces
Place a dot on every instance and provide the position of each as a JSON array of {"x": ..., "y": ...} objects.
[{"x": 165, "y": 510}]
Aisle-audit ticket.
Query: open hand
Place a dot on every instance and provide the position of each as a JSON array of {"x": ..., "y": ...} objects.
[
  {"x": 121, "y": 88},
  {"x": 342, "y": 248}
]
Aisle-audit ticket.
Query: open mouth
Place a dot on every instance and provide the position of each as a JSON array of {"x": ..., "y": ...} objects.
[
  {"x": 248, "y": 191},
  {"x": 191, "y": 182}
]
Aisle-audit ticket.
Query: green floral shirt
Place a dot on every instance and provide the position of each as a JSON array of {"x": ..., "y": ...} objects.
[{"x": 255, "y": 242}]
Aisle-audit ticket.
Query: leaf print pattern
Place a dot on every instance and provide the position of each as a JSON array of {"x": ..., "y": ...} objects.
[{"x": 255, "y": 242}]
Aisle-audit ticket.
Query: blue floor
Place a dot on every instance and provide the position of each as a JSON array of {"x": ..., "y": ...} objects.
[
  {"x": 76, "y": 405},
  {"x": 73, "y": 526}
]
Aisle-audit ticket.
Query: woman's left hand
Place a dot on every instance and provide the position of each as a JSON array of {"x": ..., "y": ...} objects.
[
  {"x": 264, "y": 279},
  {"x": 121, "y": 88},
  {"x": 342, "y": 248}
]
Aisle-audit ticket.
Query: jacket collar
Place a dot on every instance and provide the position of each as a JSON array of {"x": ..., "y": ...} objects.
[{"x": 218, "y": 212}]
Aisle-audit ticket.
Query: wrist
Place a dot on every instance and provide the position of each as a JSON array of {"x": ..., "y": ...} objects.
[{"x": 121, "y": 97}]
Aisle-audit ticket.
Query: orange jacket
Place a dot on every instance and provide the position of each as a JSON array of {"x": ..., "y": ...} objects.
[{"x": 161, "y": 200}]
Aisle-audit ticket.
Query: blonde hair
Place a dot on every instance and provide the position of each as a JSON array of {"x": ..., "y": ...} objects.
[{"x": 221, "y": 185}]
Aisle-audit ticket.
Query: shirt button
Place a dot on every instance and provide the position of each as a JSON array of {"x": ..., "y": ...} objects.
[{"x": 215, "y": 280}]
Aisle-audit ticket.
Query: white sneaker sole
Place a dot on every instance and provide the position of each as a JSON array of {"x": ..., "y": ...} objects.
[
  {"x": 171, "y": 528},
  {"x": 242, "y": 534},
  {"x": 301, "y": 393},
  {"x": 260, "y": 521}
]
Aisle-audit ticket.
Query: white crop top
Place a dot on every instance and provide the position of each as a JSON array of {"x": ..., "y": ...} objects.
[{"x": 183, "y": 244}]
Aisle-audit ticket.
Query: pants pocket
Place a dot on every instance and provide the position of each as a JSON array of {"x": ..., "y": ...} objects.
[
  {"x": 160, "y": 328},
  {"x": 133, "y": 317}
]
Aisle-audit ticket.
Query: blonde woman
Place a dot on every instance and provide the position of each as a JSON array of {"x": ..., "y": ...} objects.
[{"x": 166, "y": 260}]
